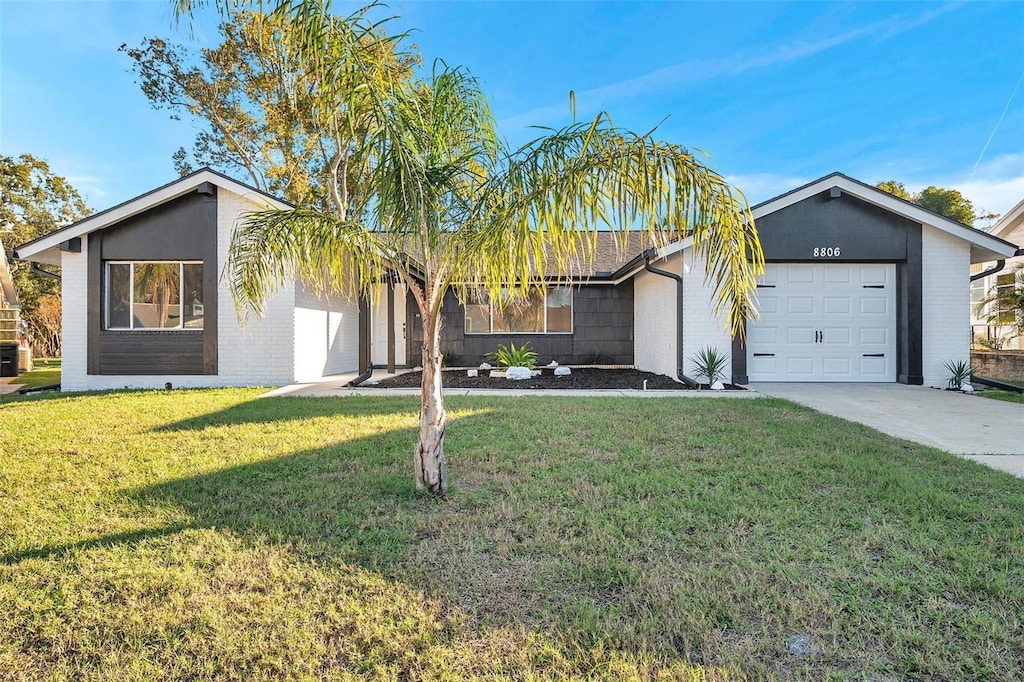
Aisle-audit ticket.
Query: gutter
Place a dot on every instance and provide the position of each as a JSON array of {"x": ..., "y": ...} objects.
[
  {"x": 1000, "y": 264},
  {"x": 647, "y": 256}
]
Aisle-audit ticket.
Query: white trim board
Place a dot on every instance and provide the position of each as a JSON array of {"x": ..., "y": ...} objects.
[{"x": 41, "y": 249}]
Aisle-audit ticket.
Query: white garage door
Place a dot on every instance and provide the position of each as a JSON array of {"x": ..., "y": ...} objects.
[{"x": 824, "y": 322}]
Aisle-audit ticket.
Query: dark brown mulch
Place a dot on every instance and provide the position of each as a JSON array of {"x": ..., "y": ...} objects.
[{"x": 584, "y": 378}]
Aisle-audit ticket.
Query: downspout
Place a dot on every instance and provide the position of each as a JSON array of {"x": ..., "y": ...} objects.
[
  {"x": 991, "y": 271},
  {"x": 36, "y": 268},
  {"x": 364, "y": 343},
  {"x": 679, "y": 314}
]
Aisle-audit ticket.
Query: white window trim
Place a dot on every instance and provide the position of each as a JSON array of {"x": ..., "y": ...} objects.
[
  {"x": 490, "y": 319},
  {"x": 131, "y": 296}
]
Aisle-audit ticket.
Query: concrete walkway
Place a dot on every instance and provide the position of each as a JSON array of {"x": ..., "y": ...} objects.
[
  {"x": 7, "y": 387},
  {"x": 988, "y": 431}
]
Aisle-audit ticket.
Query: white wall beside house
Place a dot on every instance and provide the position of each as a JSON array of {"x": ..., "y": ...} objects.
[
  {"x": 945, "y": 303},
  {"x": 701, "y": 326},
  {"x": 654, "y": 319},
  {"x": 326, "y": 335}
]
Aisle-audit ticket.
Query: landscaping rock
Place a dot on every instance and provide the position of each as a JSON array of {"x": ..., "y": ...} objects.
[
  {"x": 518, "y": 373},
  {"x": 562, "y": 371},
  {"x": 472, "y": 372},
  {"x": 718, "y": 386}
]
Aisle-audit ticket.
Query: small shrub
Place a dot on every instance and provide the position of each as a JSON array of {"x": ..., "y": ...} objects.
[
  {"x": 449, "y": 359},
  {"x": 960, "y": 373},
  {"x": 510, "y": 356},
  {"x": 594, "y": 357},
  {"x": 993, "y": 343},
  {"x": 710, "y": 362}
]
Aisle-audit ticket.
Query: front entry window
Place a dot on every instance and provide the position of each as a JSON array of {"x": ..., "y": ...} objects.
[{"x": 160, "y": 295}]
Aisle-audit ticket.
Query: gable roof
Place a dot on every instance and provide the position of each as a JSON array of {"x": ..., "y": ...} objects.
[
  {"x": 1010, "y": 222},
  {"x": 45, "y": 249},
  {"x": 984, "y": 246}
]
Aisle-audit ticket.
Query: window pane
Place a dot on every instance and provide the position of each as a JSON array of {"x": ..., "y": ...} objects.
[
  {"x": 521, "y": 316},
  {"x": 119, "y": 296},
  {"x": 193, "y": 292},
  {"x": 157, "y": 295},
  {"x": 559, "y": 310}
]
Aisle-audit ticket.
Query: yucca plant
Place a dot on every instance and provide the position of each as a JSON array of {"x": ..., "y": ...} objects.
[
  {"x": 959, "y": 373},
  {"x": 510, "y": 356},
  {"x": 710, "y": 362}
]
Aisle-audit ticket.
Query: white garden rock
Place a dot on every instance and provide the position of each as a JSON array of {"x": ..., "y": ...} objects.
[
  {"x": 472, "y": 372},
  {"x": 562, "y": 371},
  {"x": 518, "y": 373},
  {"x": 967, "y": 388},
  {"x": 485, "y": 365},
  {"x": 718, "y": 386}
]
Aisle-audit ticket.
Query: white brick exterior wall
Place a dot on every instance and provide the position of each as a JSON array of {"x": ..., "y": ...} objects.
[
  {"x": 326, "y": 335},
  {"x": 701, "y": 327},
  {"x": 945, "y": 303},
  {"x": 74, "y": 270},
  {"x": 259, "y": 353},
  {"x": 655, "y": 319}
]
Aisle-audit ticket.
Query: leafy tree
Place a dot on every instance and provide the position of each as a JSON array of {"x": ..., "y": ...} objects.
[
  {"x": 451, "y": 204},
  {"x": 33, "y": 202},
  {"x": 947, "y": 202},
  {"x": 263, "y": 113}
]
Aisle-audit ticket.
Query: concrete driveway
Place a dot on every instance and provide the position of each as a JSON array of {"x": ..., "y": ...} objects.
[{"x": 987, "y": 431}]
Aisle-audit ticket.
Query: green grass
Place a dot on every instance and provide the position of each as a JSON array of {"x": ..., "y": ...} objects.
[
  {"x": 45, "y": 371},
  {"x": 210, "y": 535},
  {"x": 1006, "y": 396}
]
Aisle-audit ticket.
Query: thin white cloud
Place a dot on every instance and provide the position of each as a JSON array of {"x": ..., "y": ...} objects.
[
  {"x": 759, "y": 187},
  {"x": 699, "y": 70}
]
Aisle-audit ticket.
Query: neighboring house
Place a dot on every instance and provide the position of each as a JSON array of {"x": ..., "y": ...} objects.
[
  {"x": 9, "y": 322},
  {"x": 998, "y": 332},
  {"x": 859, "y": 286}
]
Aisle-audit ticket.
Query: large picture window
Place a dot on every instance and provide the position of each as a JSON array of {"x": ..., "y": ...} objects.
[
  {"x": 540, "y": 312},
  {"x": 157, "y": 295}
]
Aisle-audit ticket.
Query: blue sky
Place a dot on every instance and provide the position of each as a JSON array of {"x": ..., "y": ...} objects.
[{"x": 777, "y": 93}]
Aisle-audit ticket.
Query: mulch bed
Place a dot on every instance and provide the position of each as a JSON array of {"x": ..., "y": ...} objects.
[{"x": 583, "y": 378}]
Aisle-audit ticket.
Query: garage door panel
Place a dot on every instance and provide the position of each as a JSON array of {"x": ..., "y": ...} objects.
[
  {"x": 837, "y": 275},
  {"x": 837, "y": 305},
  {"x": 792, "y": 342},
  {"x": 801, "y": 366},
  {"x": 835, "y": 336},
  {"x": 761, "y": 335},
  {"x": 800, "y": 335},
  {"x": 874, "y": 306},
  {"x": 837, "y": 368},
  {"x": 799, "y": 276},
  {"x": 800, "y": 305},
  {"x": 874, "y": 336}
]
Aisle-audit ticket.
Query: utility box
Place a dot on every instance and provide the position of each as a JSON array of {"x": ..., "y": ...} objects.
[{"x": 8, "y": 359}]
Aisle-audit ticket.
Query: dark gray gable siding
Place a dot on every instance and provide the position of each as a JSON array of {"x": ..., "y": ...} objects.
[
  {"x": 864, "y": 233},
  {"x": 602, "y": 323},
  {"x": 182, "y": 229}
]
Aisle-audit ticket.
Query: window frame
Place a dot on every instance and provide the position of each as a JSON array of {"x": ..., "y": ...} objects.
[
  {"x": 131, "y": 298},
  {"x": 491, "y": 308}
]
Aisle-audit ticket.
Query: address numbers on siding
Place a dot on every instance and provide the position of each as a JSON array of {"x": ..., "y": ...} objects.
[{"x": 826, "y": 252}]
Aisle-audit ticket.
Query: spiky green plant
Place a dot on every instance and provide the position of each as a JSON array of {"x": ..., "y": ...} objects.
[
  {"x": 510, "y": 356},
  {"x": 711, "y": 363}
]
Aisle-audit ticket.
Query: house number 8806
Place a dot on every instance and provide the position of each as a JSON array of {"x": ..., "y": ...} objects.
[{"x": 826, "y": 252}]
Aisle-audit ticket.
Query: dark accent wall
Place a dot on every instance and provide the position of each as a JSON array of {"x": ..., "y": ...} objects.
[
  {"x": 862, "y": 232},
  {"x": 182, "y": 229},
  {"x": 602, "y": 323}
]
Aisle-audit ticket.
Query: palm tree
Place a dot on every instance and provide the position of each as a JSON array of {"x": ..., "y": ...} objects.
[
  {"x": 1006, "y": 302},
  {"x": 452, "y": 206}
]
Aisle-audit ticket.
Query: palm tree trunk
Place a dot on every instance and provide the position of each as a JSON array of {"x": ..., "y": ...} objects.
[{"x": 431, "y": 468}]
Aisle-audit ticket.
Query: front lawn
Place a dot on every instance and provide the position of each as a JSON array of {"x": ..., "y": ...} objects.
[
  {"x": 214, "y": 535},
  {"x": 45, "y": 372},
  {"x": 1007, "y": 396}
]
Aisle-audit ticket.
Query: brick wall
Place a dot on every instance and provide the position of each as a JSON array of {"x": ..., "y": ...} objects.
[
  {"x": 655, "y": 317},
  {"x": 701, "y": 327},
  {"x": 74, "y": 269},
  {"x": 945, "y": 304}
]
